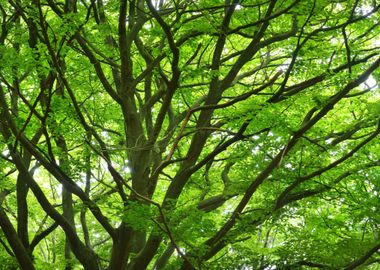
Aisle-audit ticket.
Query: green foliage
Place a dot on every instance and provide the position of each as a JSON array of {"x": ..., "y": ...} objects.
[
  {"x": 189, "y": 134},
  {"x": 138, "y": 216}
]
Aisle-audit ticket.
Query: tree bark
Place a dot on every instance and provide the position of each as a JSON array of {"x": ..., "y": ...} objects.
[{"x": 22, "y": 255}]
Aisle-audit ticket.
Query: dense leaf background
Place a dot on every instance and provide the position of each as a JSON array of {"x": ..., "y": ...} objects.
[{"x": 196, "y": 134}]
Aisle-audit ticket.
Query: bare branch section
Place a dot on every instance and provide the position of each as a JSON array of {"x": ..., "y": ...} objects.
[{"x": 189, "y": 134}]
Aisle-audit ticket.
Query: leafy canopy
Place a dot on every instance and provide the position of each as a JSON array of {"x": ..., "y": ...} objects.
[{"x": 189, "y": 134}]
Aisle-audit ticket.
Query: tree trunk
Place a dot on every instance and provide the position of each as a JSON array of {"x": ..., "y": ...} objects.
[{"x": 18, "y": 248}]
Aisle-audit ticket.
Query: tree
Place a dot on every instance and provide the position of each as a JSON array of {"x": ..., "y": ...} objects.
[{"x": 189, "y": 134}]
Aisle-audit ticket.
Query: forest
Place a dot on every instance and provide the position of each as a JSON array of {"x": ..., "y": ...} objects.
[{"x": 189, "y": 134}]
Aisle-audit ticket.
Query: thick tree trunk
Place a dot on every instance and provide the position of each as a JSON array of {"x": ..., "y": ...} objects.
[
  {"x": 18, "y": 248},
  {"x": 22, "y": 211},
  {"x": 164, "y": 258},
  {"x": 121, "y": 248},
  {"x": 68, "y": 213}
]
